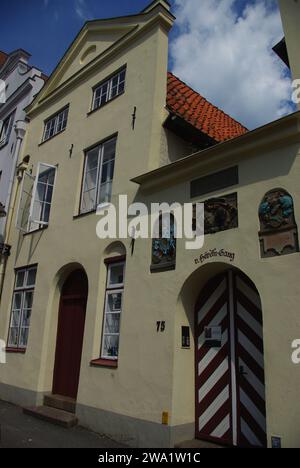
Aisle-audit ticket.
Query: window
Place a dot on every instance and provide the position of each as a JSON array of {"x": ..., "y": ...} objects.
[
  {"x": 6, "y": 129},
  {"x": 112, "y": 310},
  {"x": 98, "y": 176},
  {"x": 21, "y": 307},
  {"x": 36, "y": 198},
  {"x": 109, "y": 89},
  {"x": 56, "y": 124}
]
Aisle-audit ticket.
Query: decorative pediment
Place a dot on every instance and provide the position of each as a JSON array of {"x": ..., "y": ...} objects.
[{"x": 95, "y": 43}]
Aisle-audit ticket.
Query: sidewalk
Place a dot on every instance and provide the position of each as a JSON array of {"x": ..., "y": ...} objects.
[{"x": 21, "y": 431}]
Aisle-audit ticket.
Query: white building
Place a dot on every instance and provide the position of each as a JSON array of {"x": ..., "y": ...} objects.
[{"x": 19, "y": 83}]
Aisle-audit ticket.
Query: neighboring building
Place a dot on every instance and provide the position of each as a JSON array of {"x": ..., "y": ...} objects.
[
  {"x": 145, "y": 340},
  {"x": 22, "y": 82},
  {"x": 290, "y": 18}
]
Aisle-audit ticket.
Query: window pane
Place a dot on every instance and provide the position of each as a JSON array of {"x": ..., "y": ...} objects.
[
  {"x": 112, "y": 323},
  {"x": 92, "y": 158},
  {"x": 90, "y": 180},
  {"x": 41, "y": 191},
  {"x": 17, "y": 301},
  {"x": 49, "y": 193},
  {"x": 105, "y": 192},
  {"x": 26, "y": 318},
  {"x": 24, "y": 337},
  {"x": 15, "y": 319},
  {"x": 111, "y": 346},
  {"x": 20, "y": 278},
  {"x": 115, "y": 81},
  {"x": 122, "y": 76},
  {"x": 46, "y": 174},
  {"x": 109, "y": 150},
  {"x": 45, "y": 212},
  {"x": 28, "y": 300},
  {"x": 31, "y": 277},
  {"x": 114, "y": 302},
  {"x": 121, "y": 87},
  {"x": 116, "y": 275},
  {"x": 13, "y": 337},
  {"x": 89, "y": 200},
  {"x": 114, "y": 91}
]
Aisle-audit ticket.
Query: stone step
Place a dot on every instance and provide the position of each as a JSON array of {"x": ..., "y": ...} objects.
[
  {"x": 60, "y": 402},
  {"x": 52, "y": 415}
]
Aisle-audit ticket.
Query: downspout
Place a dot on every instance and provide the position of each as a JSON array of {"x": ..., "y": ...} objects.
[{"x": 20, "y": 129}]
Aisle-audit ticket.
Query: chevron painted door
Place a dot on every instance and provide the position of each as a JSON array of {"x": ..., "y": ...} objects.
[{"x": 230, "y": 394}]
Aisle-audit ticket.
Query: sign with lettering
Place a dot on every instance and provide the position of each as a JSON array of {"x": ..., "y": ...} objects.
[{"x": 215, "y": 253}]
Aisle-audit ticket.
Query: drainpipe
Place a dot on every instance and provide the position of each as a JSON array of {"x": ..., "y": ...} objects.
[{"x": 20, "y": 129}]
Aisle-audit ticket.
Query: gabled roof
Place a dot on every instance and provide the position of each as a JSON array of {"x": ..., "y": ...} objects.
[
  {"x": 3, "y": 57},
  {"x": 189, "y": 105}
]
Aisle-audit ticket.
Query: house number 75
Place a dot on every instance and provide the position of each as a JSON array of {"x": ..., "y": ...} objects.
[{"x": 160, "y": 326}]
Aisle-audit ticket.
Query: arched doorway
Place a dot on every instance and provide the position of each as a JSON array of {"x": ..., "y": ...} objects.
[
  {"x": 70, "y": 331},
  {"x": 230, "y": 384}
]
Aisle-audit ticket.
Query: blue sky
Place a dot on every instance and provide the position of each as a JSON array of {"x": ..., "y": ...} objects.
[
  {"x": 46, "y": 28},
  {"x": 222, "y": 48}
]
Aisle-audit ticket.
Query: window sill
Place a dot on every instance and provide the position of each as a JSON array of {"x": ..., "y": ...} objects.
[
  {"x": 15, "y": 350},
  {"x": 112, "y": 363},
  {"x": 105, "y": 104},
  {"x": 53, "y": 136},
  {"x": 86, "y": 213},
  {"x": 35, "y": 231}
]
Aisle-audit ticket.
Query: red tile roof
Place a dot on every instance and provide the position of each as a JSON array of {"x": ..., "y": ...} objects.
[
  {"x": 201, "y": 114},
  {"x": 3, "y": 57}
]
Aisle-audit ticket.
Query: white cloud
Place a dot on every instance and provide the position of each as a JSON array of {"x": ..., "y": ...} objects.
[
  {"x": 46, "y": 2},
  {"x": 229, "y": 59},
  {"x": 81, "y": 10}
]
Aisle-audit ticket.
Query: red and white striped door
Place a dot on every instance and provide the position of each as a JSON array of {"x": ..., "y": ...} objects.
[{"x": 230, "y": 393}]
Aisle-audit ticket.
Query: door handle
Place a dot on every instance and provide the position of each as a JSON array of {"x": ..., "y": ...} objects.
[{"x": 242, "y": 371}]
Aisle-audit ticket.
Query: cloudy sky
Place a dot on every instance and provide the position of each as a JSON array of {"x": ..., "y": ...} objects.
[{"x": 222, "y": 48}]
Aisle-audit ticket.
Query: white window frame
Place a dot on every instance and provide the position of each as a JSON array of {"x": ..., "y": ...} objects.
[
  {"x": 55, "y": 121},
  {"x": 30, "y": 176},
  {"x": 99, "y": 175},
  {"x": 4, "y": 137},
  {"x": 25, "y": 288},
  {"x": 112, "y": 289},
  {"x": 34, "y": 192},
  {"x": 109, "y": 82}
]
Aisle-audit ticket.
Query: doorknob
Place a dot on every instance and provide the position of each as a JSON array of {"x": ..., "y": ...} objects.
[{"x": 242, "y": 371}]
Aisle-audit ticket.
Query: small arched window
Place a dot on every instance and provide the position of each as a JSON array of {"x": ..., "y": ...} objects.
[
  {"x": 278, "y": 229},
  {"x": 164, "y": 243}
]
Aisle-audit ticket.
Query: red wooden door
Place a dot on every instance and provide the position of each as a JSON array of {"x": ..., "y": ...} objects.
[
  {"x": 70, "y": 331},
  {"x": 230, "y": 390}
]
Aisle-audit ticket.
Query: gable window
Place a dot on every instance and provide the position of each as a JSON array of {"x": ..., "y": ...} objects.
[
  {"x": 98, "y": 175},
  {"x": 21, "y": 307},
  {"x": 6, "y": 129},
  {"x": 36, "y": 198},
  {"x": 113, "y": 309},
  {"x": 56, "y": 124},
  {"x": 109, "y": 89}
]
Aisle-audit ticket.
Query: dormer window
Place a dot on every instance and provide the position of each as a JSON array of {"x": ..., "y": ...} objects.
[
  {"x": 56, "y": 124},
  {"x": 109, "y": 89}
]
